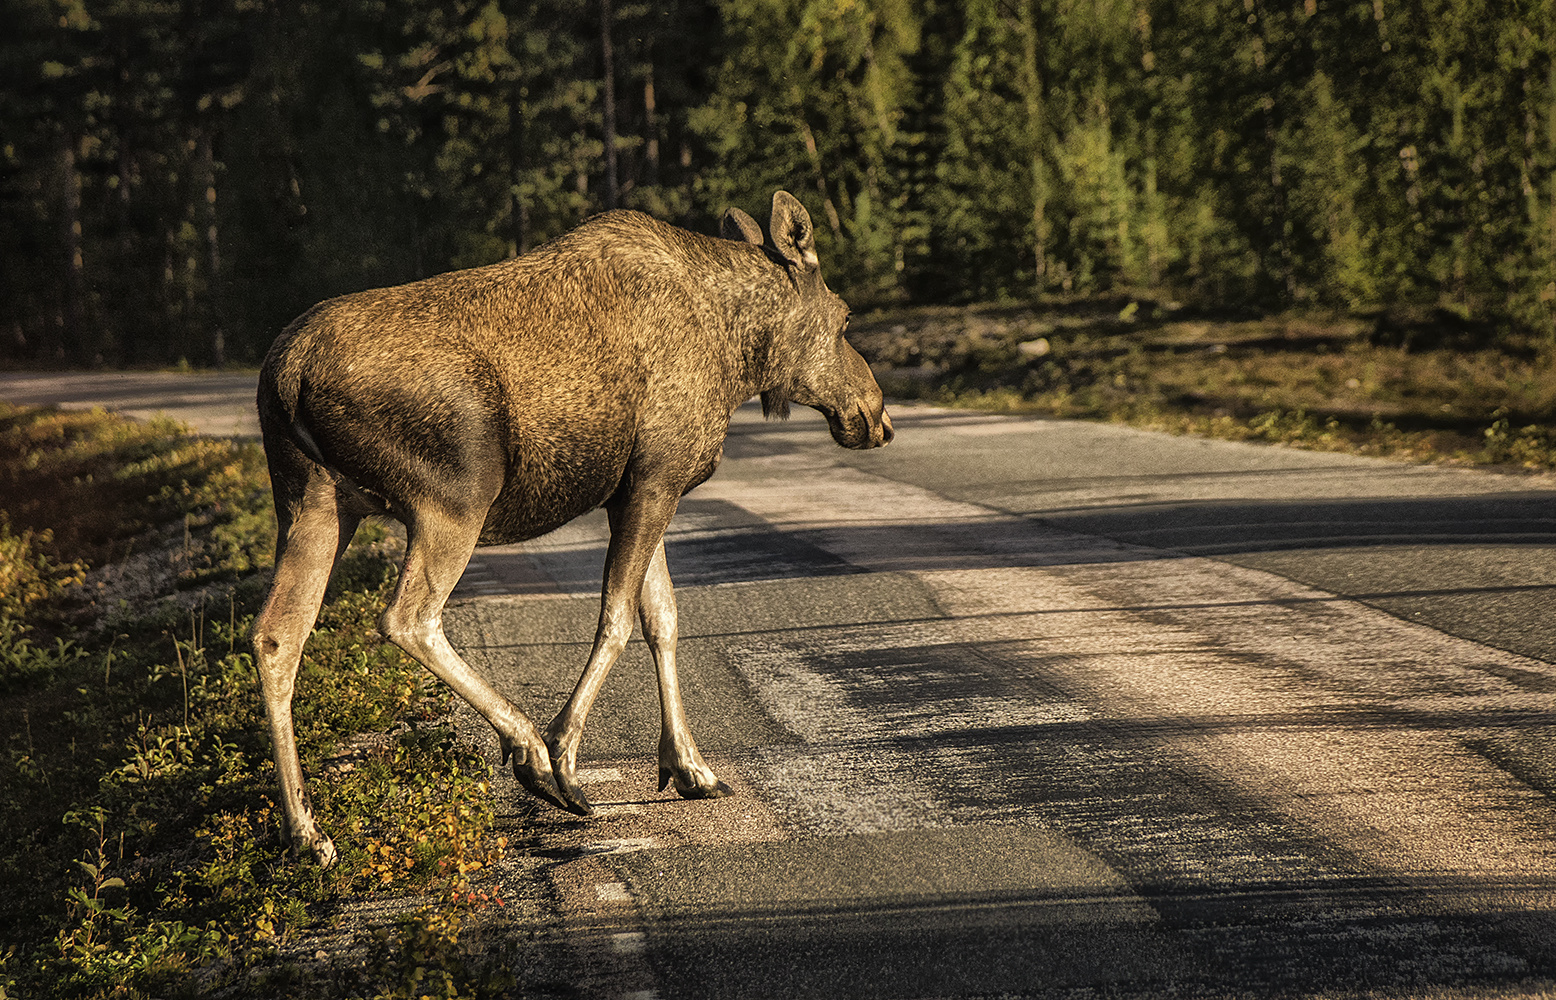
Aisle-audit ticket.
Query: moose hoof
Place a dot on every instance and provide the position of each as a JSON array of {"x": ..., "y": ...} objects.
[
  {"x": 315, "y": 843},
  {"x": 533, "y": 771},
  {"x": 574, "y": 799},
  {"x": 688, "y": 787},
  {"x": 563, "y": 763},
  {"x": 324, "y": 853},
  {"x": 542, "y": 785}
]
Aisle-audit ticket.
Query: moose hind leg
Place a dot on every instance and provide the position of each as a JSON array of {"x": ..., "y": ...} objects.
[
  {"x": 679, "y": 761},
  {"x": 311, "y": 538},
  {"x": 437, "y": 551}
]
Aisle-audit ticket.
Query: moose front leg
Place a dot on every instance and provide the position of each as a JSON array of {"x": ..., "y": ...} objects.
[
  {"x": 679, "y": 760},
  {"x": 637, "y": 528}
]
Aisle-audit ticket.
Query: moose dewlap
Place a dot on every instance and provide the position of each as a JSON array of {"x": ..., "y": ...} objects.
[{"x": 493, "y": 405}]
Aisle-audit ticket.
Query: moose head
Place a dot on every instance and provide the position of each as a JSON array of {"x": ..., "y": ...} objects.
[{"x": 824, "y": 371}]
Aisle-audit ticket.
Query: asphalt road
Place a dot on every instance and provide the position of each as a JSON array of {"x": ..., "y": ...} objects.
[
  {"x": 212, "y": 402},
  {"x": 1026, "y": 707},
  {"x": 1038, "y": 708}
]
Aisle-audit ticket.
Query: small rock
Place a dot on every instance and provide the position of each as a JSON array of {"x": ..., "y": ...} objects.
[{"x": 1033, "y": 348}]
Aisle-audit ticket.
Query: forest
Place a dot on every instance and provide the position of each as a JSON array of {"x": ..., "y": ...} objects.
[{"x": 180, "y": 178}]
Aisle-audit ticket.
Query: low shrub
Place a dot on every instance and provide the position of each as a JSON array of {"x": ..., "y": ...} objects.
[{"x": 143, "y": 854}]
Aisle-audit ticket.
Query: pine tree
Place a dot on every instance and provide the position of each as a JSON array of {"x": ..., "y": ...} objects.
[{"x": 810, "y": 96}]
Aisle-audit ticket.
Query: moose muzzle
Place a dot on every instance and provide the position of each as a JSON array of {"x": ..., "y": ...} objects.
[{"x": 860, "y": 428}]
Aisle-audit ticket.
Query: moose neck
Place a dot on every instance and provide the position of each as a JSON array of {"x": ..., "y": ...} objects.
[{"x": 767, "y": 314}]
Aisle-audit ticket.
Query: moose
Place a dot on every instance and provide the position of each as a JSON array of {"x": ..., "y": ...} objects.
[{"x": 492, "y": 405}]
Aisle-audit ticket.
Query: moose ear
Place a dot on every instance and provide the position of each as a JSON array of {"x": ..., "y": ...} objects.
[
  {"x": 793, "y": 236},
  {"x": 740, "y": 227}
]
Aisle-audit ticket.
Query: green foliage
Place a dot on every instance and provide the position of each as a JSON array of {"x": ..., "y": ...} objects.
[
  {"x": 1532, "y": 446},
  {"x": 1318, "y": 380},
  {"x": 27, "y": 575},
  {"x": 24, "y": 662},
  {"x": 92, "y": 484},
  {"x": 103, "y": 948},
  {"x": 143, "y": 855},
  {"x": 177, "y": 188},
  {"x": 811, "y": 95},
  {"x": 991, "y": 185}
]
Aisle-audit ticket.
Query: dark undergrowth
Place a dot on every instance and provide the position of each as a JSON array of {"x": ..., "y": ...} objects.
[
  {"x": 142, "y": 855},
  {"x": 1422, "y": 386}
]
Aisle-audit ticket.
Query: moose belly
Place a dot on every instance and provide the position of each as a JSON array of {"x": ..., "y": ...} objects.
[{"x": 545, "y": 490}]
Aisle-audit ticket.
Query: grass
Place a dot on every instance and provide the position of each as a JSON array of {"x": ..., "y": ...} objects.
[
  {"x": 1420, "y": 387},
  {"x": 142, "y": 855}
]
